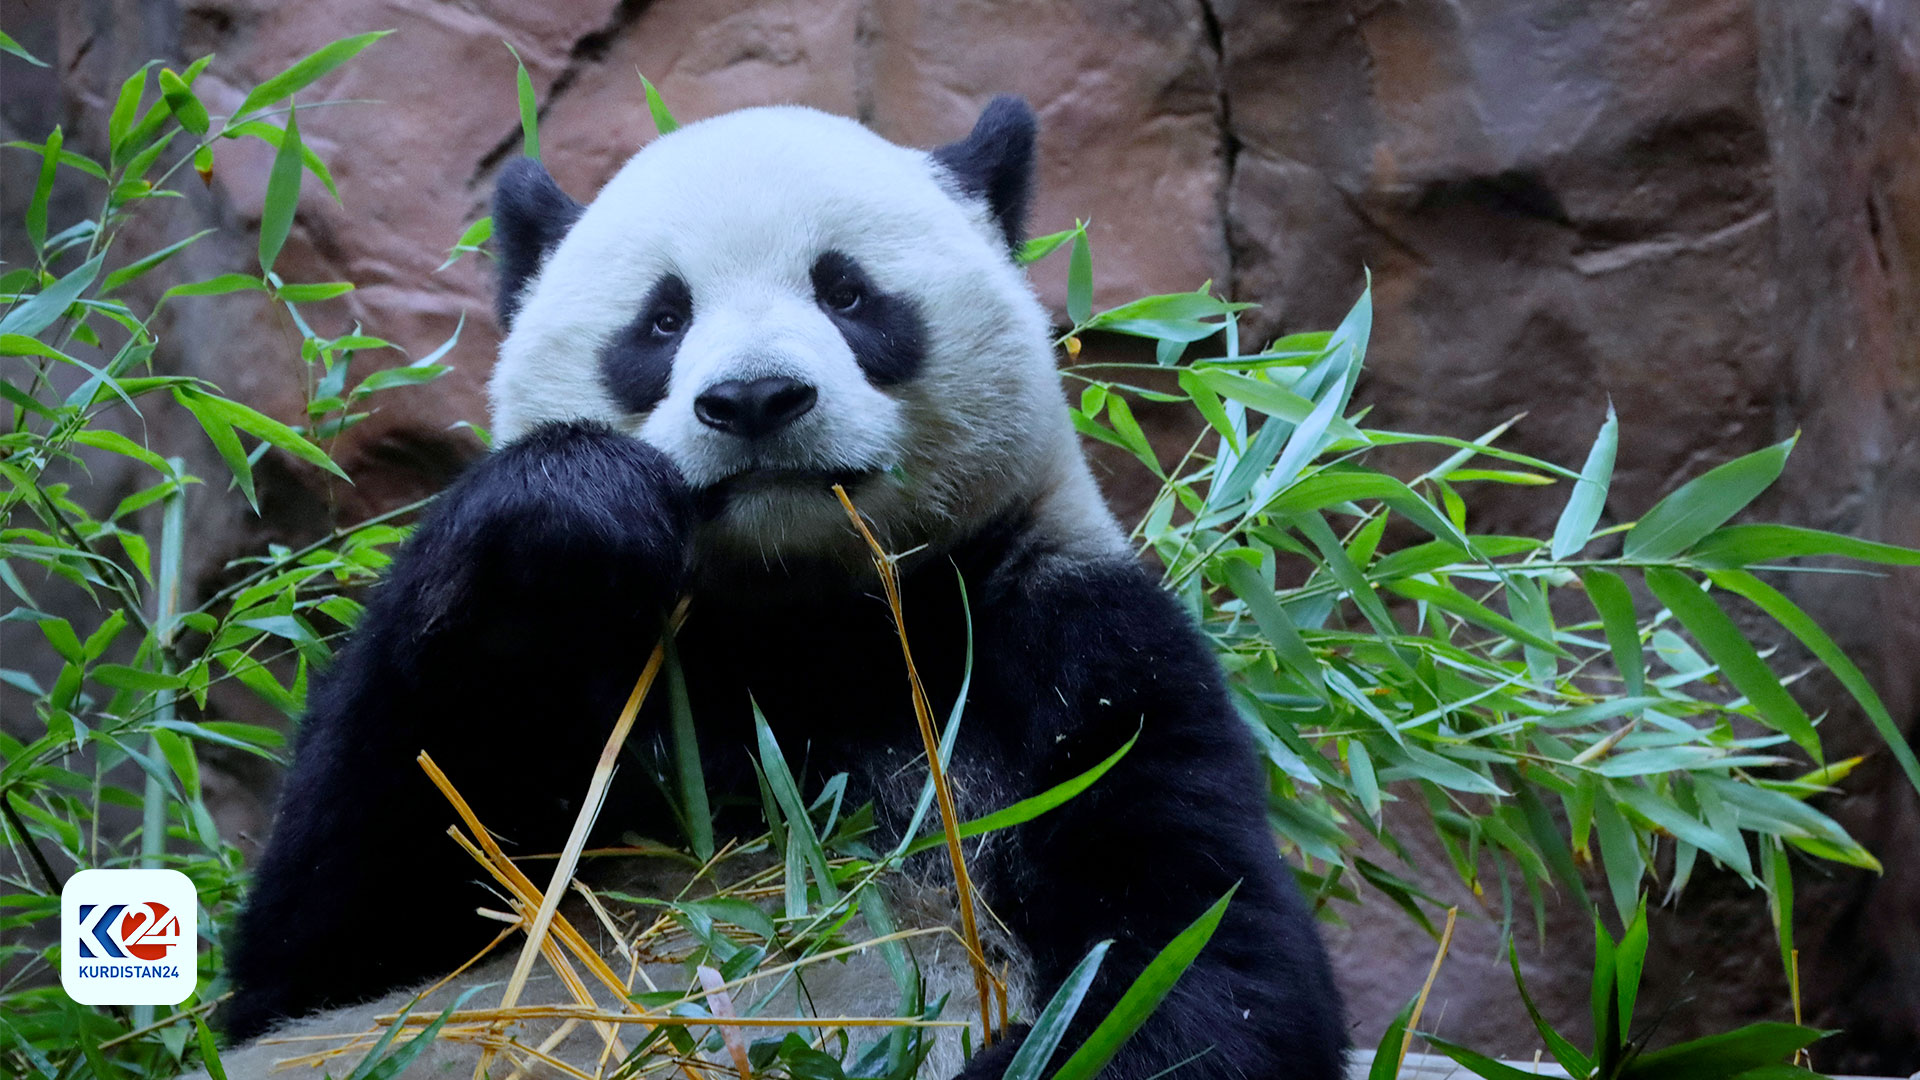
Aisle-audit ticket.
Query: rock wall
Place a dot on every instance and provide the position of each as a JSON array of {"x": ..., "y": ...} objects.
[{"x": 1705, "y": 210}]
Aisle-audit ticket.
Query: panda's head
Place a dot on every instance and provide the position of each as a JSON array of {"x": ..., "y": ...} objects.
[{"x": 781, "y": 300}]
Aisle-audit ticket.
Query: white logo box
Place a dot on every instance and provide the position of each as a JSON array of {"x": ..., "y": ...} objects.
[{"x": 128, "y": 937}]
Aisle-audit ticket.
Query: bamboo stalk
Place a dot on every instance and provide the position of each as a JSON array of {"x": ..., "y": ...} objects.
[
  {"x": 1420, "y": 1003},
  {"x": 943, "y": 791},
  {"x": 581, "y": 1012}
]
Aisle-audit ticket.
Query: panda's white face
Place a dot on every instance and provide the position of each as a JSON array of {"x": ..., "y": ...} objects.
[{"x": 780, "y": 300}]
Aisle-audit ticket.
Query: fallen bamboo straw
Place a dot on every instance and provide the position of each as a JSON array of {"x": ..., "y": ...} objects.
[{"x": 582, "y": 825}]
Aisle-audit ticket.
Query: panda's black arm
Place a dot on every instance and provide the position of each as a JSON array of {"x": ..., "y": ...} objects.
[
  {"x": 1097, "y": 652},
  {"x": 506, "y": 636}
]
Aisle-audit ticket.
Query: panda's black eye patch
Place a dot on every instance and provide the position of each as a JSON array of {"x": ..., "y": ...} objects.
[
  {"x": 636, "y": 365},
  {"x": 884, "y": 330}
]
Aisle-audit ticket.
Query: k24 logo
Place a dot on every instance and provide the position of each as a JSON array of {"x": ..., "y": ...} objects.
[
  {"x": 144, "y": 931},
  {"x": 128, "y": 937}
]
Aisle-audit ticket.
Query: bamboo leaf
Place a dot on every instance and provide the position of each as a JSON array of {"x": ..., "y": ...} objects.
[
  {"x": 529, "y": 106},
  {"x": 283, "y": 194},
  {"x": 1729, "y": 648},
  {"x": 305, "y": 71},
  {"x": 1704, "y": 503},
  {"x": 1080, "y": 278},
  {"x": 1723, "y": 1056},
  {"x": 1272, "y": 619},
  {"x": 1743, "y": 545},
  {"x": 1589, "y": 495},
  {"x": 142, "y": 265},
  {"x": 1145, "y": 995},
  {"x": 43, "y": 189},
  {"x": 1801, "y": 625},
  {"x": 1030, "y": 1061},
  {"x": 663, "y": 121}
]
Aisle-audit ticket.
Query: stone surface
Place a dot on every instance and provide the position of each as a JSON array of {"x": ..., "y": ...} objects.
[{"x": 1706, "y": 211}]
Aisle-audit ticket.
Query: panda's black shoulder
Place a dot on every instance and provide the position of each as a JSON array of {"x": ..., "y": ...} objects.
[{"x": 1097, "y": 617}]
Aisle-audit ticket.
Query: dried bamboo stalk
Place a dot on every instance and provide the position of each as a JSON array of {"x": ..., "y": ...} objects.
[{"x": 943, "y": 791}]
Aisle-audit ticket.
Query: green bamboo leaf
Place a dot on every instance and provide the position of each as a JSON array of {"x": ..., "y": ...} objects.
[
  {"x": 305, "y": 71},
  {"x": 380, "y": 1065},
  {"x": 1030, "y": 1061},
  {"x": 1729, "y": 648},
  {"x": 266, "y": 429},
  {"x": 1270, "y": 399},
  {"x": 1778, "y": 879},
  {"x": 1393, "y": 1042},
  {"x": 43, "y": 189},
  {"x": 1028, "y": 808},
  {"x": 1444, "y": 771},
  {"x": 1589, "y": 495},
  {"x": 220, "y": 434},
  {"x": 1452, "y": 600},
  {"x": 1208, "y": 404},
  {"x": 275, "y": 137},
  {"x": 1254, "y": 591},
  {"x": 1614, "y": 602},
  {"x": 470, "y": 240},
  {"x": 1564, "y": 1052},
  {"x": 689, "y": 774},
  {"x": 663, "y": 121},
  {"x": 209, "y": 1053},
  {"x": 1681, "y": 824},
  {"x": 1481, "y": 1064},
  {"x": 45, "y": 307},
  {"x": 1629, "y": 960},
  {"x": 68, "y": 158},
  {"x": 1042, "y": 246},
  {"x": 529, "y": 106},
  {"x": 801, "y": 836},
  {"x": 120, "y": 120},
  {"x": 1743, "y": 545},
  {"x": 283, "y": 195},
  {"x": 142, "y": 265},
  {"x": 313, "y": 292},
  {"x": 1724, "y": 1056},
  {"x": 1366, "y": 784},
  {"x": 1802, "y": 626},
  {"x": 186, "y": 108},
  {"x": 9, "y": 45},
  {"x": 216, "y": 286},
  {"x": 1145, "y": 995},
  {"x": 1704, "y": 503},
  {"x": 1080, "y": 278}
]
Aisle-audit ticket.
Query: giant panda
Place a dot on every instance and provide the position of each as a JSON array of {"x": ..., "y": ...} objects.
[{"x": 759, "y": 306}]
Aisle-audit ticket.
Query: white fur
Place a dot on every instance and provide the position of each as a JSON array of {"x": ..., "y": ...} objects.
[{"x": 740, "y": 206}]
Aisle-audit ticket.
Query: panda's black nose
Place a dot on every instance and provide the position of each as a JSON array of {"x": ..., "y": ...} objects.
[{"x": 753, "y": 408}]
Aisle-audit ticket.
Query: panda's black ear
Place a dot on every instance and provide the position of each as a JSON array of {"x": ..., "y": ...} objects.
[
  {"x": 530, "y": 215},
  {"x": 995, "y": 163}
]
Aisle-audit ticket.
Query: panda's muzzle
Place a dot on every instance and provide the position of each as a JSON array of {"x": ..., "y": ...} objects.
[{"x": 712, "y": 499}]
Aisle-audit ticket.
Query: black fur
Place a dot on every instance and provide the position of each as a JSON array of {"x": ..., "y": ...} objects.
[
  {"x": 885, "y": 331},
  {"x": 995, "y": 162},
  {"x": 517, "y": 618},
  {"x": 636, "y": 365},
  {"x": 533, "y": 590},
  {"x": 530, "y": 215}
]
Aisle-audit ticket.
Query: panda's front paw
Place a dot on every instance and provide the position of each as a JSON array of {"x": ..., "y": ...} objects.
[
  {"x": 567, "y": 497},
  {"x": 991, "y": 1063}
]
